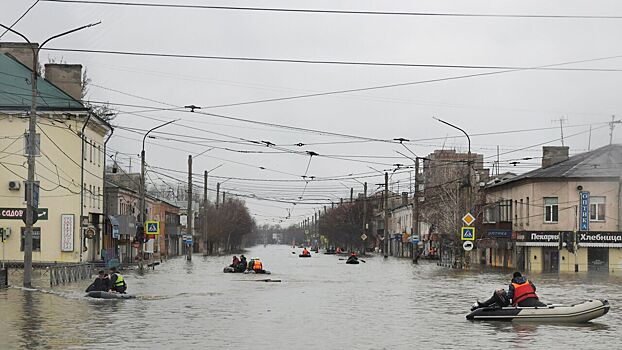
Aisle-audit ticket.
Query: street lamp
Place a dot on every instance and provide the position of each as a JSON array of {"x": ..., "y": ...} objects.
[
  {"x": 31, "y": 204},
  {"x": 142, "y": 187}
]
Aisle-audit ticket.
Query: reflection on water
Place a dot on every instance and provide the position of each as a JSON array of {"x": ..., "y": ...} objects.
[{"x": 321, "y": 302}]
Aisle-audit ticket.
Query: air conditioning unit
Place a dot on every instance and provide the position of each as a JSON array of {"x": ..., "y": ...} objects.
[{"x": 14, "y": 185}]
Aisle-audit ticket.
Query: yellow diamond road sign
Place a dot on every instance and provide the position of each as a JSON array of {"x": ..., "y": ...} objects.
[{"x": 468, "y": 219}]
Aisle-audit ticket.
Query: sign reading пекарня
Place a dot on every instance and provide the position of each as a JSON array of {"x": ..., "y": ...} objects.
[{"x": 582, "y": 237}]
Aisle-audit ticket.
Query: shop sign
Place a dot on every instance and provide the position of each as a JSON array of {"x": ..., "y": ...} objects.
[
  {"x": 584, "y": 211},
  {"x": 66, "y": 232},
  {"x": 542, "y": 236},
  {"x": 499, "y": 233},
  {"x": 18, "y": 213},
  {"x": 600, "y": 237}
]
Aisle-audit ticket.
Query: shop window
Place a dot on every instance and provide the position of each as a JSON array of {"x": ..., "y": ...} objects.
[
  {"x": 597, "y": 208},
  {"x": 551, "y": 209},
  {"x": 36, "y": 239}
]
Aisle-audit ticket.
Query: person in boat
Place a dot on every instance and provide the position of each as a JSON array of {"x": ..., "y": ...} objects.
[
  {"x": 101, "y": 283},
  {"x": 523, "y": 292},
  {"x": 255, "y": 265},
  {"x": 242, "y": 264},
  {"x": 338, "y": 250},
  {"x": 117, "y": 282},
  {"x": 499, "y": 299},
  {"x": 305, "y": 252},
  {"x": 352, "y": 257},
  {"x": 235, "y": 262}
]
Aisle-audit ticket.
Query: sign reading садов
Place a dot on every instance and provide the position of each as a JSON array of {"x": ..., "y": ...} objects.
[{"x": 18, "y": 213}]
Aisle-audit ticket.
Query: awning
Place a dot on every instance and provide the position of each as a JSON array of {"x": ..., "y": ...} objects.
[
  {"x": 537, "y": 244},
  {"x": 600, "y": 245}
]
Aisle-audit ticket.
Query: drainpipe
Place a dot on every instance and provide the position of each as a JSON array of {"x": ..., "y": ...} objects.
[{"x": 82, "y": 242}]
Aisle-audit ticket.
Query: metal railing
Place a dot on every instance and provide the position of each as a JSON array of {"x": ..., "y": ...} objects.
[{"x": 63, "y": 274}]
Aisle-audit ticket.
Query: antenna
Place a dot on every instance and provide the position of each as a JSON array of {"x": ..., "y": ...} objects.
[
  {"x": 561, "y": 121},
  {"x": 612, "y": 125}
]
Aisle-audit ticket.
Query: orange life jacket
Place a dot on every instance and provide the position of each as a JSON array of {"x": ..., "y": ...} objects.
[
  {"x": 257, "y": 265},
  {"x": 305, "y": 252},
  {"x": 522, "y": 292}
]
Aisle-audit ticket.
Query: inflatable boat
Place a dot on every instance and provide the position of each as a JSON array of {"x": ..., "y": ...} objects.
[
  {"x": 577, "y": 313},
  {"x": 230, "y": 269},
  {"x": 264, "y": 272},
  {"x": 108, "y": 295},
  {"x": 304, "y": 255},
  {"x": 352, "y": 261}
]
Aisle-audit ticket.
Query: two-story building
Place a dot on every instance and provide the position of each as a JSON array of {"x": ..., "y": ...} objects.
[
  {"x": 564, "y": 216},
  {"x": 69, "y": 161}
]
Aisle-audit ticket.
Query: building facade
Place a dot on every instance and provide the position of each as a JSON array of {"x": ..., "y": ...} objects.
[
  {"x": 562, "y": 217},
  {"x": 69, "y": 162}
]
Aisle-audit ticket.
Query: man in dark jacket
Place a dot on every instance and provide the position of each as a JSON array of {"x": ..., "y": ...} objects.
[
  {"x": 101, "y": 283},
  {"x": 523, "y": 292}
]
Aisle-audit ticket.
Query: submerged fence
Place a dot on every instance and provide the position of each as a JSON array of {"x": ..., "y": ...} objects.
[{"x": 63, "y": 274}]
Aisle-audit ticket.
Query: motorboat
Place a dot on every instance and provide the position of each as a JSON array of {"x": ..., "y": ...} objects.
[{"x": 576, "y": 313}]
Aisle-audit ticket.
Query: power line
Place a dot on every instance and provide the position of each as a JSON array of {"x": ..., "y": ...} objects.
[
  {"x": 325, "y": 11},
  {"x": 20, "y": 18}
]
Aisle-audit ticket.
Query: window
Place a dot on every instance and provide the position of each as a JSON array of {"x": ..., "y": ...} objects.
[
  {"x": 98, "y": 197},
  {"x": 85, "y": 142},
  {"x": 527, "y": 209},
  {"x": 491, "y": 214},
  {"x": 597, "y": 208},
  {"x": 87, "y": 195},
  {"x": 90, "y": 145},
  {"x": 36, "y": 239},
  {"x": 37, "y": 144},
  {"x": 99, "y": 156},
  {"x": 550, "y": 209},
  {"x": 515, "y": 212},
  {"x": 505, "y": 210},
  {"x": 522, "y": 218}
]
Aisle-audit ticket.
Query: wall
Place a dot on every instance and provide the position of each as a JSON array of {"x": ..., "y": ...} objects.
[{"x": 58, "y": 170}]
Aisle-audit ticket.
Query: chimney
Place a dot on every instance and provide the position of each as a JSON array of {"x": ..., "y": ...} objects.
[
  {"x": 552, "y": 155},
  {"x": 68, "y": 77},
  {"x": 20, "y": 51}
]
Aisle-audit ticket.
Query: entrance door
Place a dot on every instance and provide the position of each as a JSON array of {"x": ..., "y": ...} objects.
[
  {"x": 598, "y": 260},
  {"x": 551, "y": 259}
]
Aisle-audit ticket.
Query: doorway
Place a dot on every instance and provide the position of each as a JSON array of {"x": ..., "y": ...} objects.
[
  {"x": 598, "y": 260},
  {"x": 550, "y": 260}
]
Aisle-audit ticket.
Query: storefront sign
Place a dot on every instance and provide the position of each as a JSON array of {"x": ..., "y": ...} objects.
[
  {"x": 538, "y": 239},
  {"x": 18, "y": 213},
  {"x": 584, "y": 211},
  {"x": 499, "y": 233},
  {"x": 600, "y": 237},
  {"x": 66, "y": 232}
]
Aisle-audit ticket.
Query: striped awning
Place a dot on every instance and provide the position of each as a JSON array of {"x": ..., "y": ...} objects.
[
  {"x": 600, "y": 245},
  {"x": 537, "y": 244}
]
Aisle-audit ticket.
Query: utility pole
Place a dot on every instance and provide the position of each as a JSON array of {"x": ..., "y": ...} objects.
[
  {"x": 190, "y": 216},
  {"x": 415, "y": 215},
  {"x": 217, "y": 194},
  {"x": 351, "y": 194},
  {"x": 205, "y": 213},
  {"x": 364, "y": 217},
  {"x": 32, "y": 188},
  {"x": 386, "y": 215}
]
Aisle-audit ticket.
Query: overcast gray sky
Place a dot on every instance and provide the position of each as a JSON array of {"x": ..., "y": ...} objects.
[{"x": 526, "y": 99}]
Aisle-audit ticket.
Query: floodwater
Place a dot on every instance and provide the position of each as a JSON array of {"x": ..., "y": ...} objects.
[{"x": 321, "y": 303}]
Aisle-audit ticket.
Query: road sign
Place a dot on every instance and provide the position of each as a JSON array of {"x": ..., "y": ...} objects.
[
  {"x": 363, "y": 236},
  {"x": 468, "y": 245},
  {"x": 153, "y": 227},
  {"x": 468, "y": 233},
  {"x": 468, "y": 219}
]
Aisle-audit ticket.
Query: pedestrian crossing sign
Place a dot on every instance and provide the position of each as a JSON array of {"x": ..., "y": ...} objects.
[
  {"x": 153, "y": 227},
  {"x": 468, "y": 233}
]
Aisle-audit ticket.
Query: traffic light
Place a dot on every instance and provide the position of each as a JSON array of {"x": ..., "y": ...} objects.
[{"x": 140, "y": 233}]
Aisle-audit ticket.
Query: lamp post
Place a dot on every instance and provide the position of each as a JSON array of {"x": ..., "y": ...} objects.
[
  {"x": 32, "y": 203},
  {"x": 143, "y": 217}
]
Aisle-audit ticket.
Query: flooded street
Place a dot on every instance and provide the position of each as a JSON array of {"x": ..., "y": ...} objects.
[{"x": 321, "y": 303}]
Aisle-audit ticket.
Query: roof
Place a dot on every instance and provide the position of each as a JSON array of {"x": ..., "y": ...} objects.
[
  {"x": 15, "y": 89},
  {"x": 601, "y": 163}
]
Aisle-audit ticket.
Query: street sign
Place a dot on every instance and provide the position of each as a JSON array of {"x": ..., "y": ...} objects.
[
  {"x": 468, "y": 233},
  {"x": 363, "y": 236},
  {"x": 468, "y": 219},
  {"x": 19, "y": 213},
  {"x": 468, "y": 245},
  {"x": 153, "y": 227}
]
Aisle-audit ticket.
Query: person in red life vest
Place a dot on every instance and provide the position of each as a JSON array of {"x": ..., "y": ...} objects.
[
  {"x": 523, "y": 292},
  {"x": 305, "y": 252}
]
